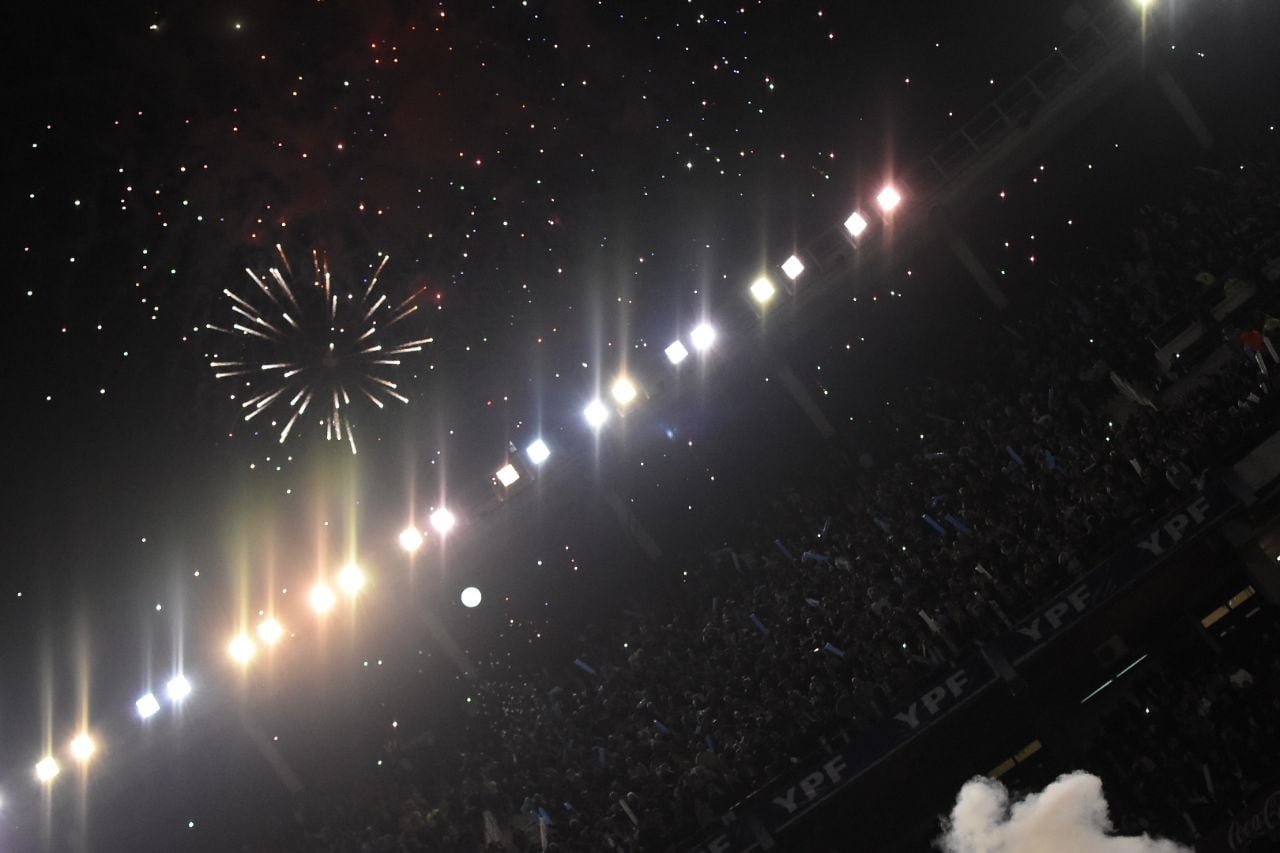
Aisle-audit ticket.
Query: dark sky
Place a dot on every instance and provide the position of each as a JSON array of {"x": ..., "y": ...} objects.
[{"x": 562, "y": 187}]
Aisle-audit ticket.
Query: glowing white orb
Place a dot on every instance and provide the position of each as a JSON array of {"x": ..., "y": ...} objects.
[
  {"x": 83, "y": 747},
  {"x": 793, "y": 266},
  {"x": 351, "y": 579},
  {"x": 538, "y": 452},
  {"x": 703, "y": 336},
  {"x": 762, "y": 290},
  {"x": 411, "y": 539},
  {"x": 442, "y": 521},
  {"x": 241, "y": 648},
  {"x": 856, "y": 224},
  {"x": 178, "y": 688},
  {"x": 148, "y": 706},
  {"x": 676, "y": 353},
  {"x": 47, "y": 768},
  {"x": 470, "y": 597},
  {"x": 322, "y": 598},
  {"x": 270, "y": 631}
]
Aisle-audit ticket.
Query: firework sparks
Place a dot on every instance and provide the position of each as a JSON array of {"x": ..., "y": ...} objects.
[{"x": 321, "y": 343}]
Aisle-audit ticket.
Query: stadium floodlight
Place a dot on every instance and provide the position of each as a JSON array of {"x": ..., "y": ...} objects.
[
  {"x": 676, "y": 353},
  {"x": 792, "y": 267},
  {"x": 241, "y": 649},
  {"x": 889, "y": 198},
  {"x": 703, "y": 336},
  {"x": 470, "y": 597},
  {"x": 47, "y": 768},
  {"x": 148, "y": 706},
  {"x": 270, "y": 631},
  {"x": 411, "y": 539},
  {"x": 443, "y": 521},
  {"x": 856, "y": 224},
  {"x": 83, "y": 747},
  {"x": 507, "y": 475},
  {"x": 596, "y": 414},
  {"x": 178, "y": 688},
  {"x": 623, "y": 391},
  {"x": 322, "y": 598},
  {"x": 762, "y": 290},
  {"x": 351, "y": 579},
  {"x": 538, "y": 452}
]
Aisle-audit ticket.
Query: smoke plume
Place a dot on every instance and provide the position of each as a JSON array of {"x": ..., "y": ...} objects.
[{"x": 1069, "y": 816}]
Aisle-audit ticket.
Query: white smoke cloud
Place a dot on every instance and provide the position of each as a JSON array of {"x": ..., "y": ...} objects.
[{"x": 1069, "y": 816}]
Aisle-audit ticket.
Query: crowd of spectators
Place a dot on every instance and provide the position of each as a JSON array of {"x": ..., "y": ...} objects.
[
  {"x": 975, "y": 502},
  {"x": 1193, "y": 739}
]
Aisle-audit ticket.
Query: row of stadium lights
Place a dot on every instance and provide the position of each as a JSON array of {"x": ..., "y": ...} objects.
[{"x": 351, "y": 579}]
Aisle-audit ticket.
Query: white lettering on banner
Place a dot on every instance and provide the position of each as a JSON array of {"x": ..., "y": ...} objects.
[
  {"x": 1176, "y": 526},
  {"x": 1077, "y": 600},
  {"x": 932, "y": 700},
  {"x": 1244, "y": 831},
  {"x": 811, "y": 786}
]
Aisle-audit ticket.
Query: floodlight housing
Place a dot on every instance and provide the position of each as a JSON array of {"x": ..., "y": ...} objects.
[
  {"x": 178, "y": 688},
  {"x": 148, "y": 706},
  {"x": 47, "y": 768},
  {"x": 703, "y": 336},
  {"x": 763, "y": 290},
  {"x": 351, "y": 579},
  {"x": 856, "y": 224},
  {"x": 507, "y": 475},
  {"x": 889, "y": 198},
  {"x": 538, "y": 452},
  {"x": 623, "y": 391},
  {"x": 83, "y": 747},
  {"x": 442, "y": 521},
  {"x": 676, "y": 353},
  {"x": 470, "y": 597},
  {"x": 411, "y": 539},
  {"x": 596, "y": 414},
  {"x": 241, "y": 648},
  {"x": 322, "y": 598},
  {"x": 792, "y": 267},
  {"x": 270, "y": 631}
]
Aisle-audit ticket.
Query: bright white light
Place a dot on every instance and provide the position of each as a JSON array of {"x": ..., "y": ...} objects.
[
  {"x": 270, "y": 631},
  {"x": 703, "y": 336},
  {"x": 507, "y": 475},
  {"x": 351, "y": 579},
  {"x": 596, "y": 414},
  {"x": 148, "y": 706},
  {"x": 762, "y": 290},
  {"x": 443, "y": 521},
  {"x": 178, "y": 688},
  {"x": 676, "y": 353},
  {"x": 411, "y": 539},
  {"x": 241, "y": 648},
  {"x": 623, "y": 391},
  {"x": 538, "y": 452},
  {"x": 83, "y": 747},
  {"x": 889, "y": 198},
  {"x": 47, "y": 768},
  {"x": 793, "y": 266},
  {"x": 322, "y": 598},
  {"x": 470, "y": 597},
  {"x": 855, "y": 224}
]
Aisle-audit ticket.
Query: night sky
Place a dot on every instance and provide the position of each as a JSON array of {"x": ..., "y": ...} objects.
[{"x": 562, "y": 188}]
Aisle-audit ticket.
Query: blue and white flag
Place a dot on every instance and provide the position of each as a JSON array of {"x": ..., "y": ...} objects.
[
  {"x": 933, "y": 522},
  {"x": 755, "y": 620},
  {"x": 1013, "y": 454},
  {"x": 584, "y": 666}
]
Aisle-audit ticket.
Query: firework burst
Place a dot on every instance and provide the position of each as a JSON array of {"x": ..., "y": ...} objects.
[{"x": 314, "y": 346}]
